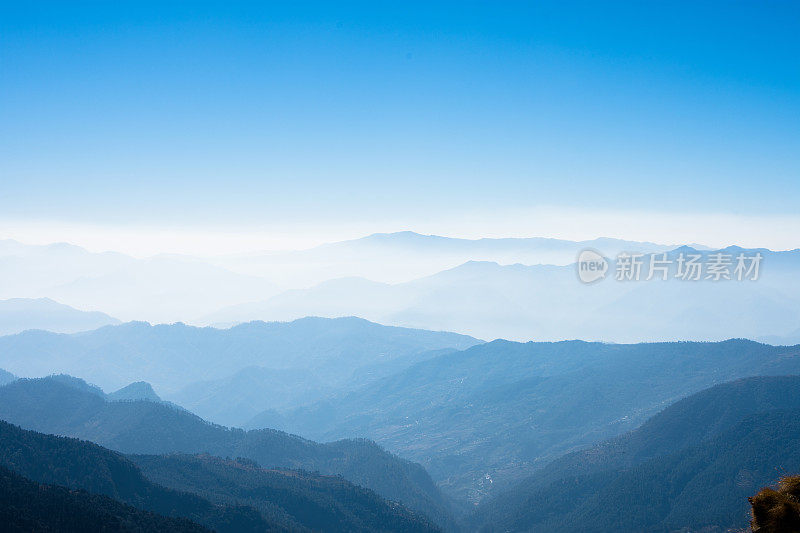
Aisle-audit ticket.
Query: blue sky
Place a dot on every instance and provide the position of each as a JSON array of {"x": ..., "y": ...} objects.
[{"x": 379, "y": 116}]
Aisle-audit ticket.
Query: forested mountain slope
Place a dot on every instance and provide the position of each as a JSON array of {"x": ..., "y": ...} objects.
[
  {"x": 27, "y": 506},
  {"x": 480, "y": 418},
  {"x": 145, "y": 427},
  {"x": 691, "y": 466}
]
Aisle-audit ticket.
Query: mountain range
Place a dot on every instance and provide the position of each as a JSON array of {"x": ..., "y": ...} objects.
[
  {"x": 163, "y": 288},
  {"x": 717, "y": 446},
  {"x": 172, "y": 357},
  {"x": 404, "y": 256},
  {"x": 448, "y": 402},
  {"x": 516, "y": 289},
  {"x": 20, "y": 314},
  {"x": 75, "y": 464},
  {"x": 170, "y": 288},
  {"x": 490, "y": 300},
  {"x": 480, "y": 419},
  {"x": 253, "y": 499},
  {"x": 68, "y": 406},
  {"x": 689, "y": 468}
]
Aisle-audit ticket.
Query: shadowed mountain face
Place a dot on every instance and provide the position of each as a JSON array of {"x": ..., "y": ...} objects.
[
  {"x": 245, "y": 497},
  {"x": 27, "y": 506},
  {"x": 80, "y": 465},
  {"x": 145, "y": 427},
  {"x": 690, "y": 467},
  {"x": 686, "y": 423},
  {"x": 301, "y": 500},
  {"x": 481, "y": 418}
]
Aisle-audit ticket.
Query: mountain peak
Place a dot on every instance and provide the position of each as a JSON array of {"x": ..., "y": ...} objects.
[
  {"x": 139, "y": 390},
  {"x": 73, "y": 382}
]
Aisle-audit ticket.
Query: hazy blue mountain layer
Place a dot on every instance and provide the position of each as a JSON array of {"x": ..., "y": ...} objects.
[
  {"x": 20, "y": 314},
  {"x": 173, "y": 356},
  {"x": 164, "y": 288},
  {"x": 532, "y": 301},
  {"x": 481, "y": 418}
]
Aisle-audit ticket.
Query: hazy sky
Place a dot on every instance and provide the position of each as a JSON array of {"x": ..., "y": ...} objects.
[{"x": 142, "y": 126}]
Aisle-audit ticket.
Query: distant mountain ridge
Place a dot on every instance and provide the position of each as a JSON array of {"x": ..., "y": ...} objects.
[
  {"x": 173, "y": 356},
  {"x": 159, "y": 289},
  {"x": 168, "y": 287},
  {"x": 20, "y": 314},
  {"x": 516, "y": 288},
  {"x": 517, "y": 301},
  {"x": 405, "y": 255}
]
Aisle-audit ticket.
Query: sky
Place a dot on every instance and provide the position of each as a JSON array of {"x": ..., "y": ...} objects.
[{"x": 218, "y": 127}]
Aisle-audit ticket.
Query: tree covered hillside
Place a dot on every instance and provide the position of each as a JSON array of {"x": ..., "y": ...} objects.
[
  {"x": 691, "y": 466},
  {"x": 145, "y": 427}
]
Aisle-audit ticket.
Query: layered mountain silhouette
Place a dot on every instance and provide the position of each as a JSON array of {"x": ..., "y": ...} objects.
[
  {"x": 20, "y": 314},
  {"x": 299, "y": 499},
  {"x": 404, "y": 256},
  {"x": 29, "y": 506},
  {"x": 168, "y": 288},
  {"x": 689, "y": 468},
  {"x": 164, "y": 288},
  {"x": 511, "y": 428},
  {"x": 480, "y": 418},
  {"x": 71, "y": 408},
  {"x": 491, "y": 300},
  {"x": 518, "y": 289},
  {"x": 174, "y": 356},
  {"x": 243, "y": 497},
  {"x": 81, "y": 465}
]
